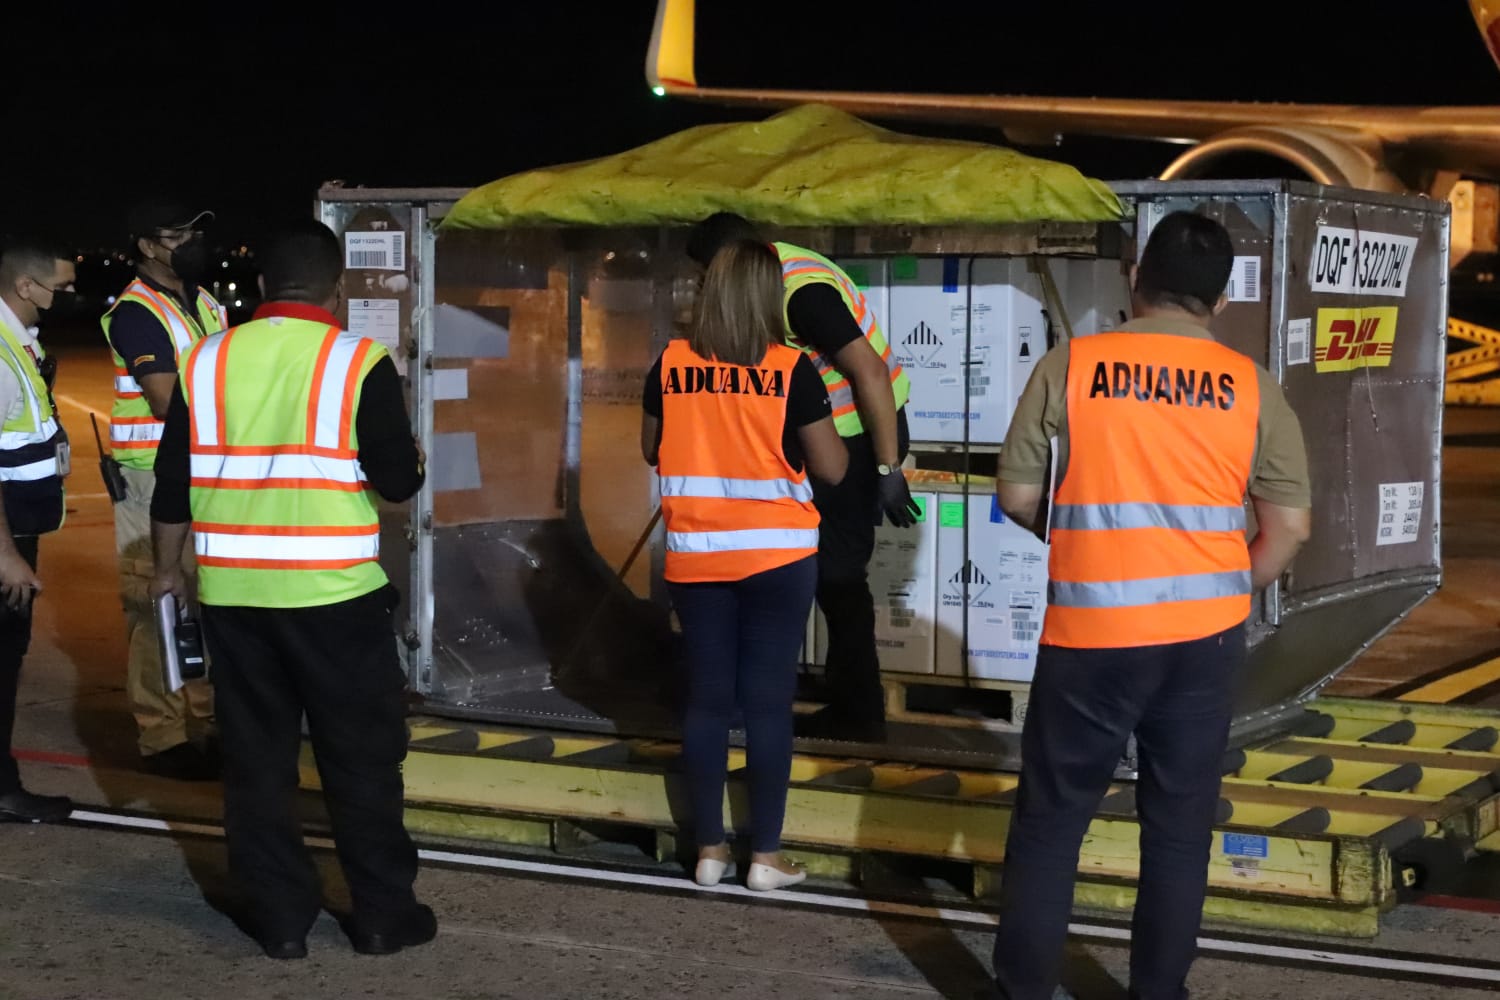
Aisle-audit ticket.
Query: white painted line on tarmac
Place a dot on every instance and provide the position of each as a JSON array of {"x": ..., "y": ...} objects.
[
  {"x": 80, "y": 404},
  {"x": 1364, "y": 963}
]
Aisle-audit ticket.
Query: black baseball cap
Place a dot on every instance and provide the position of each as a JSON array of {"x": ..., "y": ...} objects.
[{"x": 151, "y": 217}]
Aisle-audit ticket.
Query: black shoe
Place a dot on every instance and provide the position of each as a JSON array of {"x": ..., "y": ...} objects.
[
  {"x": 826, "y": 724},
  {"x": 290, "y": 948},
  {"x": 418, "y": 927},
  {"x": 21, "y": 806},
  {"x": 184, "y": 762}
]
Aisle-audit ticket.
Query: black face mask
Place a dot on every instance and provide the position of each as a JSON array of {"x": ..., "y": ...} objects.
[
  {"x": 63, "y": 302},
  {"x": 190, "y": 260}
]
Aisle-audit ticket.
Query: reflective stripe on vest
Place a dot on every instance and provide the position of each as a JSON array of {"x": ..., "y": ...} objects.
[
  {"x": 735, "y": 489},
  {"x": 300, "y": 548},
  {"x": 1117, "y": 516},
  {"x": 125, "y": 386},
  {"x": 801, "y": 267},
  {"x": 133, "y": 447},
  {"x": 1148, "y": 524},
  {"x": 732, "y": 504},
  {"x": 1159, "y": 590},
  {"x": 742, "y": 540},
  {"x": 282, "y": 516}
]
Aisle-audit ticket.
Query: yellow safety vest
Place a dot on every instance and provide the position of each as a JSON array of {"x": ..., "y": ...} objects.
[
  {"x": 134, "y": 433},
  {"x": 33, "y": 490},
  {"x": 282, "y": 514},
  {"x": 801, "y": 267}
]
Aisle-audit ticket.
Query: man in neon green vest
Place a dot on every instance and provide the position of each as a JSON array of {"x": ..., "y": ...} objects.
[
  {"x": 828, "y": 318},
  {"x": 158, "y": 316},
  {"x": 281, "y": 433},
  {"x": 34, "y": 280}
]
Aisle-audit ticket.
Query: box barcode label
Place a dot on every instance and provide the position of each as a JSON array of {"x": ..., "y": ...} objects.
[
  {"x": 1244, "y": 280},
  {"x": 375, "y": 251},
  {"x": 1025, "y": 621},
  {"x": 1298, "y": 341}
]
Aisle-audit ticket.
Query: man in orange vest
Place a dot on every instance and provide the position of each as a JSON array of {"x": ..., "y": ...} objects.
[{"x": 1160, "y": 433}]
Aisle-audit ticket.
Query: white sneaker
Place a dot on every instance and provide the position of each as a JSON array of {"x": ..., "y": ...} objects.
[
  {"x": 710, "y": 871},
  {"x": 764, "y": 878}
]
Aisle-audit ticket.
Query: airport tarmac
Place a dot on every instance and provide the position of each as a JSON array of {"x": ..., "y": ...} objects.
[{"x": 111, "y": 906}]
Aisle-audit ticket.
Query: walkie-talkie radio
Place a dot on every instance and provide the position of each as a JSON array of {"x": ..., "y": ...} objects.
[{"x": 114, "y": 479}]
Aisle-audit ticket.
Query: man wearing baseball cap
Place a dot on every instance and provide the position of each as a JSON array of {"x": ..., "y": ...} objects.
[{"x": 155, "y": 320}]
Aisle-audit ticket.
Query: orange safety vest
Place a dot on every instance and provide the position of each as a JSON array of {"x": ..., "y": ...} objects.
[
  {"x": 732, "y": 503},
  {"x": 1148, "y": 524}
]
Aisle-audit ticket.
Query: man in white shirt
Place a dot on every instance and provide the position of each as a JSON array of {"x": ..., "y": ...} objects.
[{"x": 34, "y": 278}]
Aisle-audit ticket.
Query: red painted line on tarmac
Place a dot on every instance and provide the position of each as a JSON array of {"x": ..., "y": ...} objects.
[
  {"x": 48, "y": 757},
  {"x": 1466, "y": 903}
]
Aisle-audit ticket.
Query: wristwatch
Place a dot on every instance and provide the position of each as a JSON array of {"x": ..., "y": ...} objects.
[{"x": 884, "y": 470}]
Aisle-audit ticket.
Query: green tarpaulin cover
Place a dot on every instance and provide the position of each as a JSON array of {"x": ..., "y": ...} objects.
[{"x": 809, "y": 166}]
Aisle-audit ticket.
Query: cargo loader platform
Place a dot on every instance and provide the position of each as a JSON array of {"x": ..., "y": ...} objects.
[{"x": 1320, "y": 829}]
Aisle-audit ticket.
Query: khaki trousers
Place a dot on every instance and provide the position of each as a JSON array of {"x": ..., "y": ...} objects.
[{"x": 164, "y": 719}]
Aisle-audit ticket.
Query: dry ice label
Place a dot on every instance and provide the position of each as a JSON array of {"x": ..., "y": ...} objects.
[
  {"x": 1355, "y": 338},
  {"x": 1358, "y": 262},
  {"x": 969, "y": 581}
]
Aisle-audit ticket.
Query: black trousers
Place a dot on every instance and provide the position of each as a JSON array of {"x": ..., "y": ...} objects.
[
  {"x": 850, "y": 513},
  {"x": 1084, "y": 705},
  {"x": 15, "y": 639},
  {"x": 338, "y": 664}
]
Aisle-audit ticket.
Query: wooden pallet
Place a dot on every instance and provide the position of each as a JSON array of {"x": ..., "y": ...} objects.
[{"x": 940, "y": 700}]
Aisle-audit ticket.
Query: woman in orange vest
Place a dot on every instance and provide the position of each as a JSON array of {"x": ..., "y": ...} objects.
[{"x": 735, "y": 421}]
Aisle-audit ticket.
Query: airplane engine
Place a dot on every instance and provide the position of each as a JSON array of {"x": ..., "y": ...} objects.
[{"x": 1320, "y": 155}]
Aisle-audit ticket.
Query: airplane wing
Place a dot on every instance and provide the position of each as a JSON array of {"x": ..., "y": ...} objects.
[{"x": 1465, "y": 138}]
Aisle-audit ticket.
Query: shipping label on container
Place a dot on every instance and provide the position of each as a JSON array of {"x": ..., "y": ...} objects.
[
  {"x": 1244, "y": 280},
  {"x": 1355, "y": 338},
  {"x": 1354, "y": 262},
  {"x": 375, "y": 251},
  {"x": 380, "y": 320},
  {"x": 1400, "y": 508},
  {"x": 1298, "y": 342}
]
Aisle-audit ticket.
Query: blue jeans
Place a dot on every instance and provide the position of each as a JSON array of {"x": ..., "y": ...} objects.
[
  {"x": 741, "y": 639},
  {"x": 1084, "y": 705}
]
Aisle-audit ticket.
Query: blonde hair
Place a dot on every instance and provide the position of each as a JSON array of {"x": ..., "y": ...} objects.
[{"x": 738, "y": 314}]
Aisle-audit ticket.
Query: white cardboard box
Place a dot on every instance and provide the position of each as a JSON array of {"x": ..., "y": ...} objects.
[
  {"x": 1006, "y": 573},
  {"x": 932, "y": 325},
  {"x": 1008, "y": 308},
  {"x": 902, "y": 580}
]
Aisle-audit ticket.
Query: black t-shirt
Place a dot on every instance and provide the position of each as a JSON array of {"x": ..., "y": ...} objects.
[
  {"x": 806, "y": 403},
  {"x": 820, "y": 318}
]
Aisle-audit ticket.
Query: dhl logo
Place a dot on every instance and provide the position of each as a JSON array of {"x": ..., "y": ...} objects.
[{"x": 1355, "y": 338}]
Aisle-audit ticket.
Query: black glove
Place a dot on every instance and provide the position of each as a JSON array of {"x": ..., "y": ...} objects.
[{"x": 896, "y": 501}]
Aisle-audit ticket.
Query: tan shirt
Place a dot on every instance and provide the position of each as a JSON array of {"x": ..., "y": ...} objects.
[{"x": 1278, "y": 473}]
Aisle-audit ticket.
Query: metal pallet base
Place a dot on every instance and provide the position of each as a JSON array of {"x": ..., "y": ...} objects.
[{"x": 1321, "y": 831}]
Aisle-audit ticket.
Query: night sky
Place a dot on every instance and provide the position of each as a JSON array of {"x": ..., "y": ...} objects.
[{"x": 248, "y": 113}]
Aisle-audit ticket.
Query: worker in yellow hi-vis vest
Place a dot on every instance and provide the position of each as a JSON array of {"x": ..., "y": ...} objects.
[
  {"x": 154, "y": 321},
  {"x": 284, "y": 430}
]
